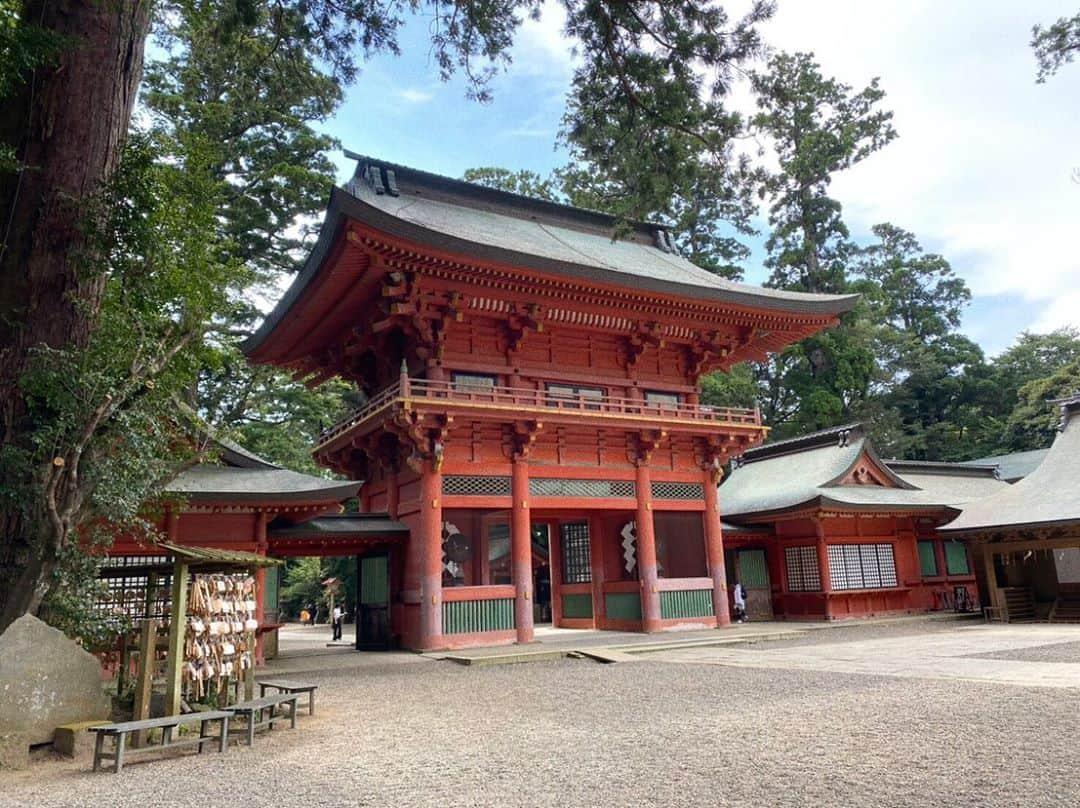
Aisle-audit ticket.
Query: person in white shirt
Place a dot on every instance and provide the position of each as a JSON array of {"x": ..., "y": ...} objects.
[
  {"x": 738, "y": 594},
  {"x": 338, "y": 615}
]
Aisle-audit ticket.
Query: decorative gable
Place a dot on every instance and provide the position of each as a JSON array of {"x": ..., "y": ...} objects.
[{"x": 867, "y": 471}]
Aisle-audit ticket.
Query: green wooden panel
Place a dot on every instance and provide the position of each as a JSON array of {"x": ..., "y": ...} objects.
[
  {"x": 686, "y": 603},
  {"x": 623, "y": 605},
  {"x": 577, "y": 606},
  {"x": 927, "y": 559},
  {"x": 374, "y": 580},
  {"x": 752, "y": 568},
  {"x": 472, "y": 616},
  {"x": 956, "y": 558},
  {"x": 271, "y": 585}
]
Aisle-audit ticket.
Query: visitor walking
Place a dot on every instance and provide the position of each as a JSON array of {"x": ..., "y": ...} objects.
[
  {"x": 739, "y": 596},
  {"x": 338, "y": 617}
]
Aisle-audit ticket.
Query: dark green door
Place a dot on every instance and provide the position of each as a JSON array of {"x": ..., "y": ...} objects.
[
  {"x": 373, "y": 603},
  {"x": 753, "y": 572}
]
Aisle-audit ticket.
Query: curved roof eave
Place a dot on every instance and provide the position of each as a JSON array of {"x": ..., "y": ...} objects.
[{"x": 344, "y": 205}]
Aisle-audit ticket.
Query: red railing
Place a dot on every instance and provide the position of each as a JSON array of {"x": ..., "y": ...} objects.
[{"x": 527, "y": 398}]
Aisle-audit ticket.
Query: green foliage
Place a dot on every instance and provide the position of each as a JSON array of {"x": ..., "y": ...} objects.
[
  {"x": 525, "y": 183},
  {"x": 302, "y": 585},
  {"x": 817, "y": 126},
  {"x": 737, "y": 388},
  {"x": 1055, "y": 45},
  {"x": 1033, "y": 423}
]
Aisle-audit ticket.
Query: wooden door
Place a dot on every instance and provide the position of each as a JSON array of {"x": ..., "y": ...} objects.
[
  {"x": 753, "y": 573},
  {"x": 373, "y": 603}
]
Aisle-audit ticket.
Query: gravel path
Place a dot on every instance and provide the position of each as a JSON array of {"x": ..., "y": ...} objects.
[
  {"x": 572, "y": 733},
  {"x": 1057, "y": 652}
]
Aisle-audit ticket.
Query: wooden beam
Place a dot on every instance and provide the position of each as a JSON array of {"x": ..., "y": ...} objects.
[
  {"x": 144, "y": 679},
  {"x": 177, "y": 625}
]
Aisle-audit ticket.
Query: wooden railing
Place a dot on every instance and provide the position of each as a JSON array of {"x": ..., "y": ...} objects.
[{"x": 527, "y": 398}]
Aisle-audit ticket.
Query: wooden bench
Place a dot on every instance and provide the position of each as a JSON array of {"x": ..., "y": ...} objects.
[
  {"x": 253, "y": 711},
  {"x": 119, "y": 733},
  {"x": 289, "y": 686}
]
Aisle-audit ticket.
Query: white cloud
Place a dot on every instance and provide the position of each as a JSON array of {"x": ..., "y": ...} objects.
[
  {"x": 413, "y": 96},
  {"x": 982, "y": 169}
]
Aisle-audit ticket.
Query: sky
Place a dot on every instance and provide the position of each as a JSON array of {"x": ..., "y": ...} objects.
[{"x": 985, "y": 171}]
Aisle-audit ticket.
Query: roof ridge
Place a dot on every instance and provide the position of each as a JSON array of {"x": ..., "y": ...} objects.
[
  {"x": 537, "y": 204},
  {"x": 822, "y": 437}
]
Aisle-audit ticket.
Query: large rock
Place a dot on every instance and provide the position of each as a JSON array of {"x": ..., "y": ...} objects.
[{"x": 46, "y": 680}]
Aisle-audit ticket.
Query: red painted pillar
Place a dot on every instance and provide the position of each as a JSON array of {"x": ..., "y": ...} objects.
[
  {"x": 823, "y": 567},
  {"x": 260, "y": 585},
  {"x": 646, "y": 552},
  {"x": 714, "y": 551},
  {"x": 431, "y": 555},
  {"x": 521, "y": 549},
  {"x": 393, "y": 495}
]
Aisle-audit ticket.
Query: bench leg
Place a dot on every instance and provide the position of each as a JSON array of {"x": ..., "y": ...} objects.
[
  {"x": 99, "y": 745},
  {"x": 204, "y": 733},
  {"x": 262, "y": 689},
  {"x": 223, "y": 744},
  {"x": 121, "y": 739},
  {"x": 252, "y": 720},
  {"x": 292, "y": 714},
  {"x": 311, "y": 702}
]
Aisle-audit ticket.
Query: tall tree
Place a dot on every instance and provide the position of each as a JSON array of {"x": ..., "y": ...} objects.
[{"x": 816, "y": 127}]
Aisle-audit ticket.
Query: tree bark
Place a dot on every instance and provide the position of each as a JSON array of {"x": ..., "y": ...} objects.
[{"x": 67, "y": 123}]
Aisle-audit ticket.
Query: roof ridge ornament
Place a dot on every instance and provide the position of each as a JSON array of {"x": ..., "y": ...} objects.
[{"x": 1069, "y": 405}]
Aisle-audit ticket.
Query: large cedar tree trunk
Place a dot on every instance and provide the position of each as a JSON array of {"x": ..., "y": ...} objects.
[{"x": 67, "y": 123}]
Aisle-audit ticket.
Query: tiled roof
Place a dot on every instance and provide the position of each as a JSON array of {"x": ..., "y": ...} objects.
[
  {"x": 1049, "y": 495},
  {"x": 1015, "y": 466},
  {"x": 488, "y": 224},
  {"x": 807, "y": 472}
]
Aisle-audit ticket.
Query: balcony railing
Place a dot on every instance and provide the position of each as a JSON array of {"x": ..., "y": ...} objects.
[{"x": 530, "y": 399}]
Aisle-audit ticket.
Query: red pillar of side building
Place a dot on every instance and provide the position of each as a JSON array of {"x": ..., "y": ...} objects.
[
  {"x": 521, "y": 549},
  {"x": 714, "y": 551},
  {"x": 646, "y": 552},
  {"x": 431, "y": 635},
  {"x": 823, "y": 567}
]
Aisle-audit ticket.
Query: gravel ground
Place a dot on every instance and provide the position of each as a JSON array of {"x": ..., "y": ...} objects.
[
  {"x": 574, "y": 732},
  {"x": 1056, "y": 652},
  {"x": 855, "y": 630}
]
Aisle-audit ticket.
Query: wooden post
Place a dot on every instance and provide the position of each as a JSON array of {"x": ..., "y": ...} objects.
[
  {"x": 249, "y": 674},
  {"x": 714, "y": 551},
  {"x": 144, "y": 679},
  {"x": 431, "y": 554},
  {"x": 823, "y": 567},
  {"x": 646, "y": 552},
  {"x": 260, "y": 585},
  {"x": 991, "y": 579},
  {"x": 177, "y": 625},
  {"x": 521, "y": 549}
]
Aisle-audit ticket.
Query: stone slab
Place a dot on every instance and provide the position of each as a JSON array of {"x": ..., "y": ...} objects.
[
  {"x": 74, "y": 740},
  {"x": 46, "y": 681}
]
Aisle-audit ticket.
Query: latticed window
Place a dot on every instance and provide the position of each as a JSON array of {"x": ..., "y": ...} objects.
[
  {"x": 554, "y": 487},
  {"x": 956, "y": 558},
  {"x": 478, "y": 486},
  {"x": 658, "y": 399},
  {"x": 577, "y": 566},
  {"x": 861, "y": 566},
  {"x": 686, "y": 491},
  {"x": 473, "y": 382},
  {"x": 802, "y": 569},
  {"x": 927, "y": 559},
  {"x": 129, "y": 592}
]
